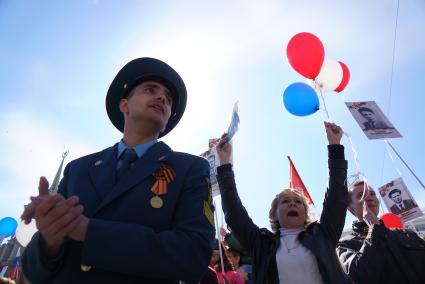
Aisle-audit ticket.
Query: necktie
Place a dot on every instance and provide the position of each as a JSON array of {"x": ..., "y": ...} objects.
[{"x": 127, "y": 159}]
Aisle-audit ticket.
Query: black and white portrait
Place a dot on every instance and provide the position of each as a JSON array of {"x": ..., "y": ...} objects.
[
  {"x": 399, "y": 201},
  {"x": 372, "y": 120}
]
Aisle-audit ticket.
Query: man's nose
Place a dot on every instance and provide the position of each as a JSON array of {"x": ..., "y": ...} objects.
[
  {"x": 160, "y": 96},
  {"x": 370, "y": 197}
]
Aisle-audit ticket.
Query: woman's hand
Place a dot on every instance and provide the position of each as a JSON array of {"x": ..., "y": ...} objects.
[
  {"x": 333, "y": 132},
  {"x": 224, "y": 150}
]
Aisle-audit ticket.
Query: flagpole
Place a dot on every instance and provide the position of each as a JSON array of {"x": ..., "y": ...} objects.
[
  {"x": 290, "y": 172},
  {"x": 401, "y": 159},
  {"x": 219, "y": 242}
]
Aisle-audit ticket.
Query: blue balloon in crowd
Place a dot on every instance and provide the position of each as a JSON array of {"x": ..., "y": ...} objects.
[
  {"x": 8, "y": 227},
  {"x": 300, "y": 99}
]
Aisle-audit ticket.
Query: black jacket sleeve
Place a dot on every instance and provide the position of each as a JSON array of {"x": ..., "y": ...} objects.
[
  {"x": 235, "y": 213},
  {"x": 335, "y": 204},
  {"x": 364, "y": 259}
]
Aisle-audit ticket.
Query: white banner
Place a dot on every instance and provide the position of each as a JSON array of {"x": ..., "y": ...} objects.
[{"x": 214, "y": 160}]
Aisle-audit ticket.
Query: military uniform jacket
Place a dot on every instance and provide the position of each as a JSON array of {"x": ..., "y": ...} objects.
[{"x": 127, "y": 240}]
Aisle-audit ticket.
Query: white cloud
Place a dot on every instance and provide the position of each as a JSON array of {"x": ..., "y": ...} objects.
[
  {"x": 32, "y": 148},
  {"x": 248, "y": 32}
]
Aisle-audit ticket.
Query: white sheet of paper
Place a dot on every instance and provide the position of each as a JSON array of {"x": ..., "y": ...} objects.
[{"x": 234, "y": 122}]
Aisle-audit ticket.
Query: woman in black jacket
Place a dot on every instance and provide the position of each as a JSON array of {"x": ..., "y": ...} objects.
[{"x": 297, "y": 251}]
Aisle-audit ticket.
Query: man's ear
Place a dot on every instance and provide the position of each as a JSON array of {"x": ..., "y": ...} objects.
[
  {"x": 123, "y": 105},
  {"x": 163, "y": 129}
]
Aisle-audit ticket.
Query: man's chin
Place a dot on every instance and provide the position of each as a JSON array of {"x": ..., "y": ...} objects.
[
  {"x": 374, "y": 209},
  {"x": 157, "y": 124}
]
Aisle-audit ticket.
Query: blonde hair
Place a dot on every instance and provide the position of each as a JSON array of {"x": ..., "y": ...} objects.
[{"x": 274, "y": 222}]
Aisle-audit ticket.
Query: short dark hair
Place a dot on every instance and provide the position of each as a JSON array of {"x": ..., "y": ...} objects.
[
  {"x": 393, "y": 191},
  {"x": 362, "y": 109},
  {"x": 351, "y": 187}
]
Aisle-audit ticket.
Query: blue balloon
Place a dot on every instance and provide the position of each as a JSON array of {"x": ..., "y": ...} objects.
[
  {"x": 8, "y": 227},
  {"x": 300, "y": 99}
]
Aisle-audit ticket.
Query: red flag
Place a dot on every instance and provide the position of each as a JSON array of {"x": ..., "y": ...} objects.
[
  {"x": 15, "y": 269},
  {"x": 14, "y": 272},
  {"x": 296, "y": 181}
]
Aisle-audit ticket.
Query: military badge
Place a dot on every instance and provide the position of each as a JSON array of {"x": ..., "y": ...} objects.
[{"x": 163, "y": 176}]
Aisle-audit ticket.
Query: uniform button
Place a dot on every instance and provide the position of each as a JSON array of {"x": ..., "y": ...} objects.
[{"x": 85, "y": 268}]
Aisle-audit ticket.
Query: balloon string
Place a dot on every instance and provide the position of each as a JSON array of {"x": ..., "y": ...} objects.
[
  {"x": 392, "y": 159},
  {"x": 323, "y": 99},
  {"x": 355, "y": 154},
  {"x": 393, "y": 58},
  {"x": 391, "y": 84},
  {"x": 358, "y": 175},
  {"x": 401, "y": 159}
]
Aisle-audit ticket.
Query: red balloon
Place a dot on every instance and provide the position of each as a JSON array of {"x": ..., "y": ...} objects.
[
  {"x": 305, "y": 54},
  {"x": 392, "y": 221},
  {"x": 345, "y": 77}
]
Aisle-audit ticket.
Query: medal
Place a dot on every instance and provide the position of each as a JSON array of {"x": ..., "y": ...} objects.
[
  {"x": 156, "y": 202},
  {"x": 163, "y": 176}
]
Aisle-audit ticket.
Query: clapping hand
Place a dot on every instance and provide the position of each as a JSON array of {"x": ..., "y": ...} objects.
[{"x": 56, "y": 217}]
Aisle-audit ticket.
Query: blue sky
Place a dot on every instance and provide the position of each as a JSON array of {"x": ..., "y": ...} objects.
[{"x": 57, "y": 59}]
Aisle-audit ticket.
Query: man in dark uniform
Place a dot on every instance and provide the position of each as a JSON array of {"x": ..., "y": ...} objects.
[{"x": 136, "y": 212}]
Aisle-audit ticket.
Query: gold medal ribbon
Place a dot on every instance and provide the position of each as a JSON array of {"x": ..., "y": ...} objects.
[{"x": 164, "y": 176}]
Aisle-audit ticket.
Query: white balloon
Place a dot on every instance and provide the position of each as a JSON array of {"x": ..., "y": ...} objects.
[
  {"x": 311, "y": 83},
  {"x": 330, "y": 75},
  {"x": 25, "y": 232}
]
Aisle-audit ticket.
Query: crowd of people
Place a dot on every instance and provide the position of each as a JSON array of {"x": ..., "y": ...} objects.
[{"x": 157, "y": 203}]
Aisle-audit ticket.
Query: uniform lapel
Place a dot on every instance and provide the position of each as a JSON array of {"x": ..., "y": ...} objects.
[
  {"x": 102, "y": 172},
  {"x": 142, "y": 168}
]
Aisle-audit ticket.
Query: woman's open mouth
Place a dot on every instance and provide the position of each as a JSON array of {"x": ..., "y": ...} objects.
[{"x": 293, "y": 213}]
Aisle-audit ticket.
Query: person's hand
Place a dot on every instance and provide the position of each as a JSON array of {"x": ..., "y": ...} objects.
[
  {"x": 79, "y": 232},
  {"x": 333, "y": 132},
  {"x": 56, "y": 217},
  {"x": 223, "y": 232},
  {"x": 368, "y": 216},
  {"x": 244, "y": 275},
  {"x": 378, "y": 232},
  {"x": 224, "y": 150},
  {"x": 43, "y": 193}
]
